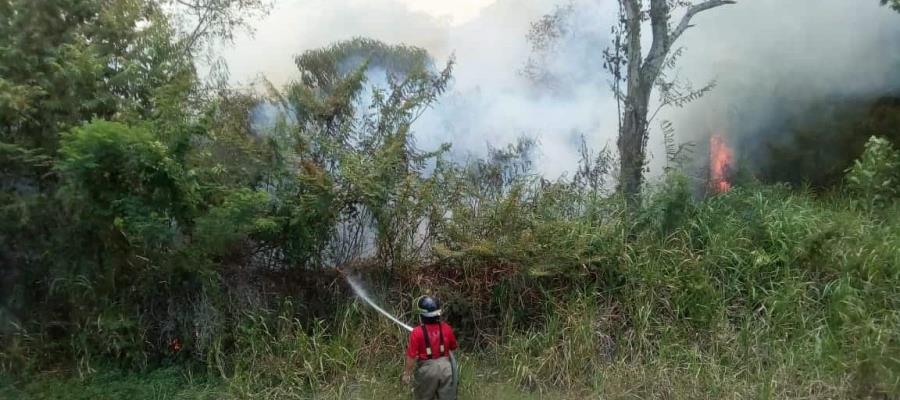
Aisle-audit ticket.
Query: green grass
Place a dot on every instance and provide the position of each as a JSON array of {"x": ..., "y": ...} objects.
[
  {"x": 160, "y": 384},
  {"x": 691, "y": 378},
  {"x": 176, "y": 383}
]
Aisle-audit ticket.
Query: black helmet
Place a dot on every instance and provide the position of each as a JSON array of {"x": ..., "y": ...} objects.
[{"x": 428, "y": 307}]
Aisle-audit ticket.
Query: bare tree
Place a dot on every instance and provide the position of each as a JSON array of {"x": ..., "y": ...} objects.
[{"x": 642, "y": 73}]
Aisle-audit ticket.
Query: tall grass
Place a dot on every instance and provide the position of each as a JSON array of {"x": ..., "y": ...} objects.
[{"x": 766, "y": 292}]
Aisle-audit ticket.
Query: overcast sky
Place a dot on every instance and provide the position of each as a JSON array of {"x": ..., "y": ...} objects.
[{"x": 819, "y": 46}]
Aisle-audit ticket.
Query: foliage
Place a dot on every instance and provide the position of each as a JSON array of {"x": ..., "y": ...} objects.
[
  {"x": 98, "y": 111},
  {"x": 150, "y": 211},
  {"x": 545, "y": 36},
  {"x": 875, "y": 176},
  {"x": 127, "y": 178},
  {"x": 61, "y": 68},
  {"x": 205, "y": 20},
  {"x": 360, "y": 139}
]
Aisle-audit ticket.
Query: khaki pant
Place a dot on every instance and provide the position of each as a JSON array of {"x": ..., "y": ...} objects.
[{"x": 434, "y": 380}]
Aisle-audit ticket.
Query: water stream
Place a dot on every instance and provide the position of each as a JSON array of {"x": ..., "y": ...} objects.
[{"x": 358, "y": 289}]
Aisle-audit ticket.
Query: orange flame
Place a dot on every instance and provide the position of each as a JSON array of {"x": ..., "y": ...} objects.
[
  {"x": 175, "y": 345},
  {"x": 720, "y": 162}
]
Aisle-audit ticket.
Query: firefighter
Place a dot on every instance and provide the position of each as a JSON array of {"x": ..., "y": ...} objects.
[{"x": 429, "y": 353}]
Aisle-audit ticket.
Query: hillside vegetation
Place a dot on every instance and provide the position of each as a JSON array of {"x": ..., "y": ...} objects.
[{"x": 167, "y": 237}]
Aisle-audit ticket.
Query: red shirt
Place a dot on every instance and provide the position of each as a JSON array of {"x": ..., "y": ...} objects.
[{"x": 416, "y": 347}]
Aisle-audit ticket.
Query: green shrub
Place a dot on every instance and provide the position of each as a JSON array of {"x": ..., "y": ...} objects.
[
  {"x": 123, "y": 178},
  {"x": 874, "y": 179}
]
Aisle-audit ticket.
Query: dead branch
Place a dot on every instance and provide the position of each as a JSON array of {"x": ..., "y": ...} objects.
[{"x": 694, "y": 10}]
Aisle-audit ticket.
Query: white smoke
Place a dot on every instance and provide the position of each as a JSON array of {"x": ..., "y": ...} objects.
[
  {"x": 803, "y": 48},
  {"x": 761, "y": 51}
]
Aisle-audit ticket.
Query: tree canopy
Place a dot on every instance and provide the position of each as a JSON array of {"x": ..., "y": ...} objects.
[{"x": 895, "y": 4}]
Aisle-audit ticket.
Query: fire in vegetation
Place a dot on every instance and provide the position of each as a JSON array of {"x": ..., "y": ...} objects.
[{"x": 721, "y": 159}]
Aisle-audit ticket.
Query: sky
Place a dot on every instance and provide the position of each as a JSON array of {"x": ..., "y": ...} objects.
[
  {"x": 297, "y": 25},
  {"x": 811, "y": 48},
  {"x": 457, "y": 11}
]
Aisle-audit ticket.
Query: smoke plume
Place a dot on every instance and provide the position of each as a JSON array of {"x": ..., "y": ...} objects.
[{"x": 769, "y": 58}]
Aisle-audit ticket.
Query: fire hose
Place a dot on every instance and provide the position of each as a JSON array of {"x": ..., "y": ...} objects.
[{"x": 361, "y": 293}]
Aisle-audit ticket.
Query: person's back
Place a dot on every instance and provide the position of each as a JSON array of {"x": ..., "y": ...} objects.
[{"x": 429, "y": 351}]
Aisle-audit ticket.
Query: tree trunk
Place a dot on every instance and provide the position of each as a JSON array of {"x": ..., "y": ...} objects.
[
  {"x": 634, "y": 117},
  {"x": 642, "y": 75},
  {"x": 632, "y": 147}
]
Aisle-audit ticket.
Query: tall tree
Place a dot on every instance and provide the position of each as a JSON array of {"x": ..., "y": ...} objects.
[
  {"x": 641, "y": 73},
  {"x": 351, "y": 115}
]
